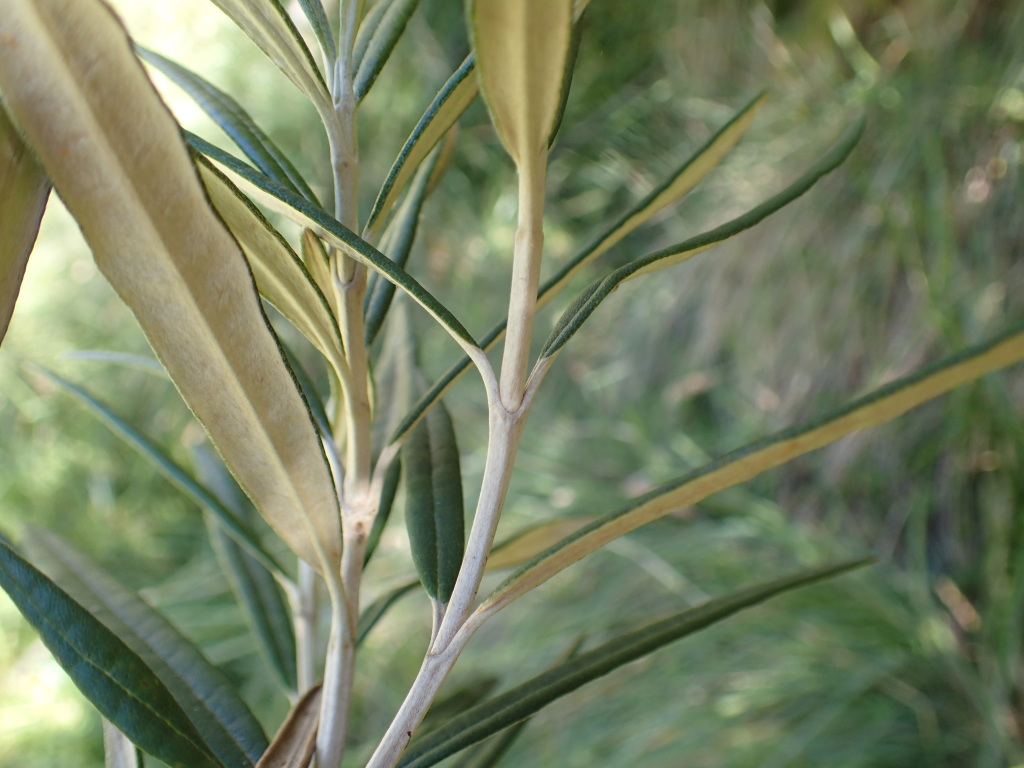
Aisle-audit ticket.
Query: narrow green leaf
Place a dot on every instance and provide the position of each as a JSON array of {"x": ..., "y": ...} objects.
[
  {"x": 202, "y": 691},
  {"x": 521, "y": 51},
  {"x": 878, "y": 407},
  {"x": 488, "y": 753},
  {"x": 466, "y": 694},
  {"x": 382, "y": 39},
  {"x": 268, "y": 24},
  {"x": 235, "y": 122},
  {"x": 178, "y": 477},
  {"x": 280, "y": 275},
  {"x": 255, "y": 588},
  {"x": 672, "y": 189},
  {"x": 24, "y": 191},
  {"x": 388, "y": 491},
  {"x": 526, "y": 699},
  {"x": 262, "y": 602},
  {"x": 434, "y": 511},
  {"x": 591, "y": 298},
  {"x": 119, "y": 684},
  {"x": 115, "y": 156},
  {"x": 317, "y": 18},
  {"x": 448, "y": 105},
  {"x": 397, "y": 245},
  {"x": 677, "y": 184},
  {"x": 374, "y": 612},
  {"x": 266, "y": 192}
]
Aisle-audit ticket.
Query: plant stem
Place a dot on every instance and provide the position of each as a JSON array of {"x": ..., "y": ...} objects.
[
  {"x": 357, "y": 506},
  {"x": 305, "y": 611},
  {"x": 525, "y": 278},
  {"x": 432, "y": 674},
  {"x": 505, "y": 429}
]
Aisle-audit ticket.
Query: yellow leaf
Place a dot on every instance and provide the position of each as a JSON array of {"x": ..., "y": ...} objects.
[
  {"x": 117, "y": 160},
  {"x": 522, "y": 48}
]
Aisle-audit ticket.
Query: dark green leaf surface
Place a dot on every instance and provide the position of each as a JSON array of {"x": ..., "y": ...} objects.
[
  {"x": 242, "y": 533},
  {"x": 119, "y": 684},
  {"x": 526, "y": 699},
  {"x": 204, "y": 694},
  {"x": 382, "y": 39},
  {"x": 255, "y": 588},
  {"x": 387, "y": 502},
  {"x": 434, "y": 513},
  {"x": 593, "y": 295},
  {"x": 376, "y": 610},
  {"x": 398, "y": 245},
  {"x": 235, "y": 122},
  {"x": 488, "y": 753}
]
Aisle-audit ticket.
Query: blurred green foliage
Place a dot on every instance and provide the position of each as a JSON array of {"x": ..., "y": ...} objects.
[{"x": 910, "y": 250}]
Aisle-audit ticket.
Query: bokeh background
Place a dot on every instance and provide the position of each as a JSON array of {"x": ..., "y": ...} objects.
[{"x": 910, "y": 251}]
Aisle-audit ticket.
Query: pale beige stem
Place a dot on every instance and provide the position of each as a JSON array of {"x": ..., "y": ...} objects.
[{"x": 525, "y": 278}]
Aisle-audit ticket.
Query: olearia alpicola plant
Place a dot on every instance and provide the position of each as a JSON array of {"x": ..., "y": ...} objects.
[{"x": 180, "y": 229}]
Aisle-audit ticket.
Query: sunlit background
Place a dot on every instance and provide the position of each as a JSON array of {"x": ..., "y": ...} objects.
[{"x": 911, "y": 250}]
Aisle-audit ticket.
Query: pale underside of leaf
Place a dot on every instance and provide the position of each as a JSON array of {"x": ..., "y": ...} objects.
[
  {"x": 448, "y": 105},
  {"x": 235, "y": 122},
  {"x": 591, "y": 297},
  {"x": 280, "y": 275},
  {"x": 266, "y": 192},
  {"x": 268, "y": 25},
  {"x": 687, "y": 176},
  {"x": 116, "y": 158},
  {"x": 24, "y": 190},
  {"x": 205, "y": 695},
  {"x": 529, "y": 543},
  {"x": 515, "y": 705},
  {"x": 381, "y": 43},
  {"x": 521, "y": 50},
  {"x": 318, "y": 264},
  {"x": 295, "y": 742},
  {"x": 741, "y": 465}
]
